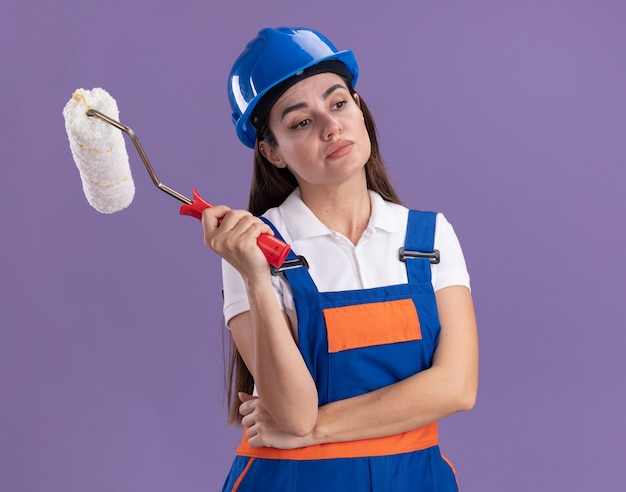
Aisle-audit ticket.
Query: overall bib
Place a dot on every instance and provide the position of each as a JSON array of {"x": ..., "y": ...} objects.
[{"x": 355, "y": 342}]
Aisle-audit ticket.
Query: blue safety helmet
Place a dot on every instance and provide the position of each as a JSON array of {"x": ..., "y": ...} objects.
[{"x": 276, "y": 59}]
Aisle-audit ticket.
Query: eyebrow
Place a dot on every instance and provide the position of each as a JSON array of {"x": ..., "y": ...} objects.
[{"x": 302, "y": 105}]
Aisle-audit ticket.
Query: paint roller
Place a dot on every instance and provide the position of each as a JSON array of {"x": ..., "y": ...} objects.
[{"x": 97, "y": 146}]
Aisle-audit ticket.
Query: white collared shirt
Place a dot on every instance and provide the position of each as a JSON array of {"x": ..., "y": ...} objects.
[{"x": 335, "y": 264}]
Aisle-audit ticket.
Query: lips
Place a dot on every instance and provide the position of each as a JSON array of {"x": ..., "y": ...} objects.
[{"x": 339, "y": 149}]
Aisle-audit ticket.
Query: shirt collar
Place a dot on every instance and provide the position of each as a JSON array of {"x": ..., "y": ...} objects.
[
  {"x": 301, "y": 223},
  {"x": 386, "y": 216}
]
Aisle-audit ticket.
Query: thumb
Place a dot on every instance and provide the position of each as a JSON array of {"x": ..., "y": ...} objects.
[{"x": 244, "y": 397}]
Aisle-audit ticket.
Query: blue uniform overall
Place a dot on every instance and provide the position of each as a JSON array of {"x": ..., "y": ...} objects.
[{"x": 355, "y": 342}]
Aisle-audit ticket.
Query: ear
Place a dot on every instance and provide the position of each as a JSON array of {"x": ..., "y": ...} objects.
[
  {"x": 357, "y": 98},
  {"x": 271, "y": 154}
]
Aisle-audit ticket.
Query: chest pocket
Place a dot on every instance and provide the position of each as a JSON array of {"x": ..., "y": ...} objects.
[
  {"x": 371, "y": 345},
  {"x": 368, "y": 325}
]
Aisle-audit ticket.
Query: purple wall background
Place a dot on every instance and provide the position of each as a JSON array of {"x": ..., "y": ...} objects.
[{"x": 507, "y": 116}]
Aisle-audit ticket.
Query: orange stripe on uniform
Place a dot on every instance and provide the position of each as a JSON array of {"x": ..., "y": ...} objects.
[
  {"x": 415, "y": 440},
  {"x": 367, "y": 325},
  {"x": 451, "y": 466},
  {"x": 243, "y": 474}
]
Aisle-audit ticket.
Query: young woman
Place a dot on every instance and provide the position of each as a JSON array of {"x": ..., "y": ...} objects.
[{"x": 369, "y": 338}]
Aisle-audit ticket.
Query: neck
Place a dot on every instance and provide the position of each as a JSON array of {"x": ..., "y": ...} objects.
[{"x": 344, "y": 209}]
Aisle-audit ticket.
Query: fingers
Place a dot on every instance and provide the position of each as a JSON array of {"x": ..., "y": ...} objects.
[
  {"x": 211, "y": 220},
  {"x": 248, "y": 421},
  {"x": 233, "y": 235},
  {"x": 212, "y": 216},
  {"x": 251, "y": 434},
  {"x": 230, "y": 226},
  {"x": 248, "y": 405},
  {"x": 250, "y": 417},
  {"x": 246, "y": 408},
  {"x": 252, "y": 411}
]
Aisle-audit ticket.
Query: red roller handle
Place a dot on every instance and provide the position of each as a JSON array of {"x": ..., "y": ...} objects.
[{"x": 273, "y": 248}]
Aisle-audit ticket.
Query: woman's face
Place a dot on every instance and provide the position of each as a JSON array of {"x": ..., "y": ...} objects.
[{"x": 320, "y": 132}]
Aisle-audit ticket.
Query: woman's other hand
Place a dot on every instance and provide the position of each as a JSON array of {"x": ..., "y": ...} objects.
[{"x": 262, "y": 430}]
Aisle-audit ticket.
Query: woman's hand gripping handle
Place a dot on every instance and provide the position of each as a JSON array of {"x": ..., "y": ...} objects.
[{"x": 274, "y": 249}]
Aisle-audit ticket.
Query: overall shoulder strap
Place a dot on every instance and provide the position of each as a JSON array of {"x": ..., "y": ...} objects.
[
  {"x": 295, "y": 268},
  {"x": 418, "y": 251}
]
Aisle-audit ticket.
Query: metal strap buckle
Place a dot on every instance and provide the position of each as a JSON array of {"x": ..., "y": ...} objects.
[
  {"x": 434, "y": 257},
  {"x": 289, "y": 265}
]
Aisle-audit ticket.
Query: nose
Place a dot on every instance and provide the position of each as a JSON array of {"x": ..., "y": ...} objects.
[{"x": 332, "y": 127}]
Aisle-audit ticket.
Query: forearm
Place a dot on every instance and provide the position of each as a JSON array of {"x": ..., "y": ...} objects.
[
  {"x": 279, "y": 371},
  {"x": 262, "y": 334},
  {"x": 421, "y": 399}
]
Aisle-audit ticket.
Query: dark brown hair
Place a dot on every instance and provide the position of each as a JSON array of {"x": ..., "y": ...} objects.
[{"x": 269, "y": 188}]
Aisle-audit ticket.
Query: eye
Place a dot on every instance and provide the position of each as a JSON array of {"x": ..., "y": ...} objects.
[
  {"x": 301, "y": 124},
  {"x": 340, "y": 104}
]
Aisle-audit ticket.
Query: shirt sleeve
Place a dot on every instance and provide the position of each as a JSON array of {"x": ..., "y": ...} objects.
[
  {"x": 235, "y": 297},
  {"x": 451, "y": 270}
]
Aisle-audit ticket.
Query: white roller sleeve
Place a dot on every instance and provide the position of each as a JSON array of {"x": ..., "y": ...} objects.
[{"x": 99, "y": 151}]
